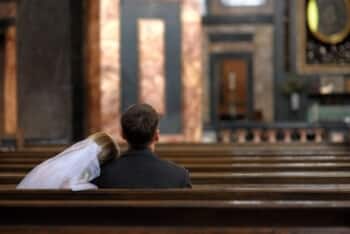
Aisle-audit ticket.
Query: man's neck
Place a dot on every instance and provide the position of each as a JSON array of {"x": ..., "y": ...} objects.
[{"x": 150, "y": 147}]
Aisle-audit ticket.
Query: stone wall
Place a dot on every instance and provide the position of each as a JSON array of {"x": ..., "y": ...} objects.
[
  {"x": 245, "y": 30},
  {"x": 190, "y": 71},
  {"x": 263, "y": 66}
]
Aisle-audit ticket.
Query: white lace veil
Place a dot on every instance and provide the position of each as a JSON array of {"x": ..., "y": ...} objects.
[{"x": 71, "y": 169}]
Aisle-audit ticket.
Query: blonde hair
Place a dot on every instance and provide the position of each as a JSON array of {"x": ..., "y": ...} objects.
[{"x": 109, "y": 149}]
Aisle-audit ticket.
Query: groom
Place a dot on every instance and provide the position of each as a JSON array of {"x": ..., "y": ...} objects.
[{"x": 139, "y": 167}]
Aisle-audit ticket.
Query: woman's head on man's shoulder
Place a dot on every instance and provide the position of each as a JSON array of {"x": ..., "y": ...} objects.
[{"x": 109, "y": 148}]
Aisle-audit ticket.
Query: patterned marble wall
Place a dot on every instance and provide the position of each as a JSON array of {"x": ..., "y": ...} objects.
[
  {"x": 191, "y": 70},
  {"x": 10, "y": 83},
  {"x": 8, "y": 10},
  {"x": 152, "y": 61},
  {"x": 110, "y": 66},
  {"x": 264, "y": 71},
  {"x": 92, "y": 66}
]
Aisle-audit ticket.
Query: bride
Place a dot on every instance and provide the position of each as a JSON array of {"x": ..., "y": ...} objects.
[{"x": 75, "y": 167}]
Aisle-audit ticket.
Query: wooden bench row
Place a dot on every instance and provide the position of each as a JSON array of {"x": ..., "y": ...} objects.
[
  {"x": 204, "y": 146},
  {"x": 222, "y": 167},
  {"x": 176, "y": 211},
  {"x": 209, "y": 152},
  {"x": 118, "y": 196},
  {"x": 314, "y": 177},
  {"x": 233, "y": 193},
  {"x": 220, "y": 163},
  {"x": 219, "y": 169},
  {"x": 264, "y": 202},
  {"x": 228, "y": 167},
  {"x": 215, "y": 159}
]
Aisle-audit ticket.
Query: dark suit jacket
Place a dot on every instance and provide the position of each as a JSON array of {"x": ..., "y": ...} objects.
[{"x": 142, "y": 169}]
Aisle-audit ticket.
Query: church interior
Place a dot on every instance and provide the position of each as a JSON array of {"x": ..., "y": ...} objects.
[
  {"x": 254, "y": 99},
  {"x": 210, "y": 68}
]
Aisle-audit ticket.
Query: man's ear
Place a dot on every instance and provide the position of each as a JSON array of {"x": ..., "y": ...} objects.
[
  {"x": 156, "y": 135},
  {"x": 123, "y": 135}
]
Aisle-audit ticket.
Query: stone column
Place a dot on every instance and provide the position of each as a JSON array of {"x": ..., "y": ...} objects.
[
  {"x": 319, "y": 135},
  {"x": 257, "y": 135},
  {"x": 271, "y": 135},
  {"x": 110, "y": 66},
  {"x": 287, "y": 135},
  {"x": 92, "y": 65},
  {"x": 303, "y": 135},
  {"x": 241, "y": 135},
  {"x": 225, "y": 136},
  {"x": 192, "y": 69},
  {"x": 10, "y": 83}
]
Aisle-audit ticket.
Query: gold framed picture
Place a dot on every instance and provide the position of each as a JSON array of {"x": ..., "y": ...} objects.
[{"x": 323, "y": 34}]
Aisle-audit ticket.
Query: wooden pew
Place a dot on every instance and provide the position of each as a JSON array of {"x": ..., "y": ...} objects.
[
  {"x": 239, "y": 178},
  {"x": 175, "y": 211},
  {"x": 228, "y": 167},
  {"x": 205, "y": 150},
  {"x": 258, "y": 196},
  {"x": 241, "y": 169},
  {"x": 199, "y": 145},
  {"x": 208, "y": 150},
  {"x": 221, "y": 165},
  {"x": 266, "y": 167},
  {"x": 213, "y": 159},
  {"x": 225, "y": 162}
]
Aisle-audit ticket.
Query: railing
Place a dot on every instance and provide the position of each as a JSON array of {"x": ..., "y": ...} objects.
[{"x": 249, "y": 132}]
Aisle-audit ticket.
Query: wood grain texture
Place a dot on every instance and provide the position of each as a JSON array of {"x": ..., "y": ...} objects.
[{"x": 169, "y": 230}]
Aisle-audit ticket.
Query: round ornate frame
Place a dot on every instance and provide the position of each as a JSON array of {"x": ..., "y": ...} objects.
[{"x": 329, "y": 39}]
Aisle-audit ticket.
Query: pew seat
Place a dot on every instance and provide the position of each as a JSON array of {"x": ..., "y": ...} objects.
[
  {"x": 175, "y": 211},
  {"x": 322, "y": 177},
  {"x": 228, "y": 167}
]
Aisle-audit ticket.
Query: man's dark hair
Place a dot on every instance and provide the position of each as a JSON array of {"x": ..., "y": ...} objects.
[{"x": 139, "y": 124}]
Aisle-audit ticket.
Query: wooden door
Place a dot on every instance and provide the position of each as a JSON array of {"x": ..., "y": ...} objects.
[{"x": 233, "y": 99}]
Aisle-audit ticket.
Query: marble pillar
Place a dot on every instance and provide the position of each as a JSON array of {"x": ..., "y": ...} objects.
[
  {"x": 192, "y": 70},
  {"x": 151, "y": 64},
  {"x": 93, "y": 65},
  {"x": 110, "y": 66},
  {"x": 10, "y": 83}
]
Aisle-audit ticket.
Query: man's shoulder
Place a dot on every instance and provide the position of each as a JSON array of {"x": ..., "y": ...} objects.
[
  {"x": 176, "y": 171},
  {"x": 151, "y": 158},
  {"x": 131, "y": 167},
  {"x": 173, "y": 165}
]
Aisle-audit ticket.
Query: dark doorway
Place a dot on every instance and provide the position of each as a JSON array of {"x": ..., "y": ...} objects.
[{"x": 231, "y": 87}]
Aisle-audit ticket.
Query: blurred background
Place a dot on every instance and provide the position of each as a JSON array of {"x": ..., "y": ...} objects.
[{"x": 211, "y": 68}]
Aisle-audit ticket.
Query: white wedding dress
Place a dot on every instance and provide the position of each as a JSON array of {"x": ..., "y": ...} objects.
[{"x": 71, "y": 169}]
